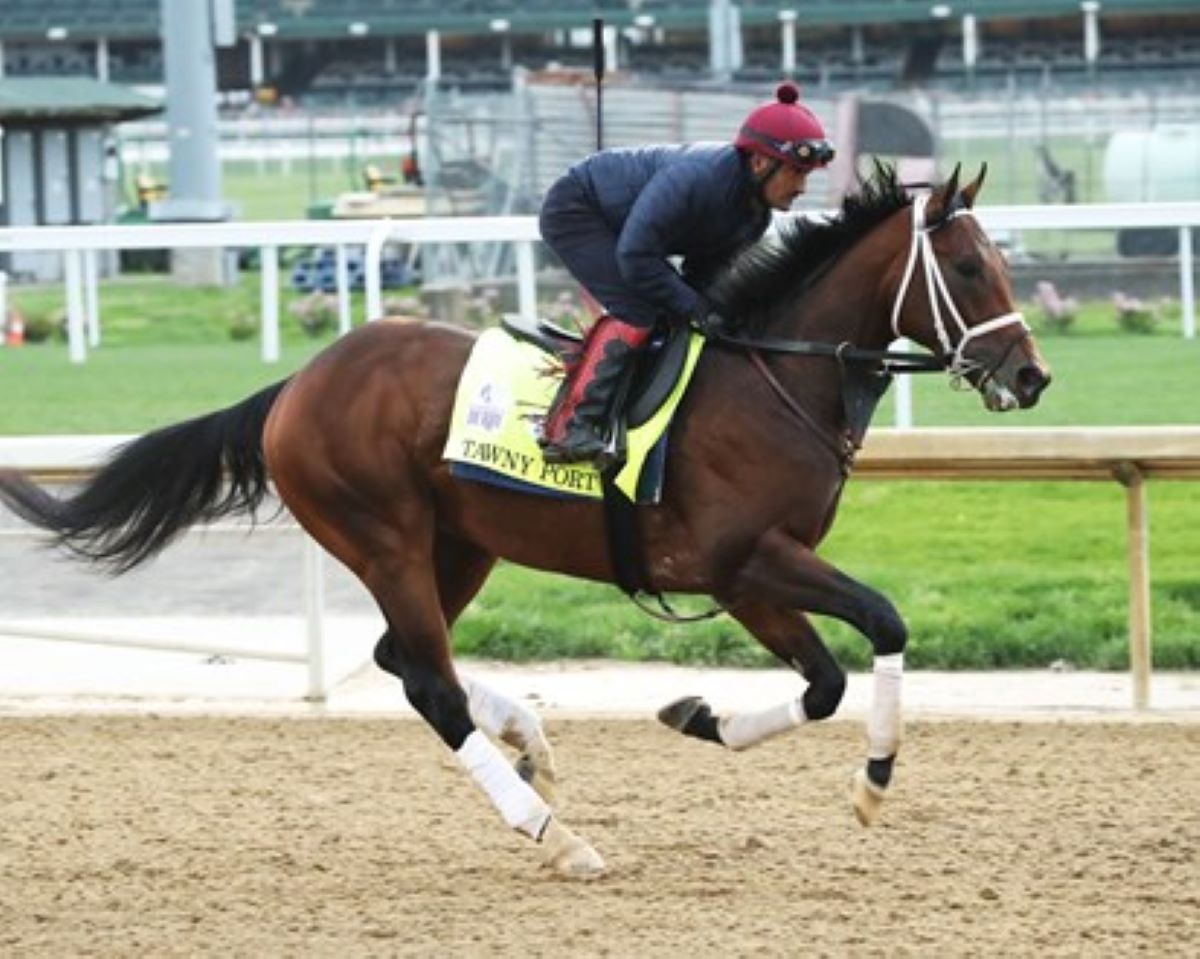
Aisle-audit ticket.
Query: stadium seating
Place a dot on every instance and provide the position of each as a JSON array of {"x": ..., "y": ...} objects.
[
  {"x": 1143, "y": 42},
  {"x": 319, "y": 272}
]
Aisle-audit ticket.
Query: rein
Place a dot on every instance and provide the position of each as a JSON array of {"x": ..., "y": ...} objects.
[
  {"x": 843, "y": 448},
  {"x": 885, "y": 361},
  {"x": 881, "y": 362}
]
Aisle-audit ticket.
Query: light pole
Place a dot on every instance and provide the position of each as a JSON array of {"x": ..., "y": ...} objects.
[
  {"x": 787, "y": 39},
  {"x": 1091, "y": 34}
]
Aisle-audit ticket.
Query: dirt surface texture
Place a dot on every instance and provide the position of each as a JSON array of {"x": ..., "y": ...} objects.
[{"x": 161, "y": 835}]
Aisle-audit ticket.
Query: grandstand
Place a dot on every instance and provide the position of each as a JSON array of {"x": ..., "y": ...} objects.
[{"x": 330, "y": 53}]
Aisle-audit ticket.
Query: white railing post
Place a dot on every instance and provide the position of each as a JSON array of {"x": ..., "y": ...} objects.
[
  {"x": 91, "y": 297},
  {"x": 342, "y": 274},
  {"x": 526, "y": 281},
  {"x": 269, "y": 313},
  {"x": 314, "y": 617},
  {"x": 73, "y": 278},
  {"x": 373, "y": 271},
  {"x": 1187, "y": 291}
]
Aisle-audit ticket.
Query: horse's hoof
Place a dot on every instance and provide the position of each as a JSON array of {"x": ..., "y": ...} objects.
[
  {"x": 568, "y": 855},
  {"x": 539, "y": 776},
  {"x": 867, "y": 798},
  {"x": 678, "y": 714}
]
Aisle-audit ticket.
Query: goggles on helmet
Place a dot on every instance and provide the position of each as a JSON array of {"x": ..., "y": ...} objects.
[{"x": 800, "y": 152}]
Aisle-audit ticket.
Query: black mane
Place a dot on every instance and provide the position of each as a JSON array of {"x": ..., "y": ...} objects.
[{"x": 746, "y": 290}]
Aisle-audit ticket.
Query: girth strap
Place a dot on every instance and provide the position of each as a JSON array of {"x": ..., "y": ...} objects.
[
  {"x": 624, "y": 536},
  {"x": 628, "y": 557}
]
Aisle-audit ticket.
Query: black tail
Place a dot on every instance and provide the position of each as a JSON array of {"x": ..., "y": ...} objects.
[{"x": 155, "y": 487}]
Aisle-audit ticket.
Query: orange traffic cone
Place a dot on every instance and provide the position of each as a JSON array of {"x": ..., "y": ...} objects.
[{"x": 14, "y": 334}]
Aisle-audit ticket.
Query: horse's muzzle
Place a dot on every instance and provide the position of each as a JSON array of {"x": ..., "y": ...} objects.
[
  {"x": 1019, "y": 379},
  {"x": 1031, "y": 381}
]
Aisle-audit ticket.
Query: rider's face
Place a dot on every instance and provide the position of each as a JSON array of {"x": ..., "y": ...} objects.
[{"x": 783, "y": 186}]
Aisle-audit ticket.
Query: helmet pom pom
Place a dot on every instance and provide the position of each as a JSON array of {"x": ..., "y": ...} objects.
[{"x": 787, "y": 92}]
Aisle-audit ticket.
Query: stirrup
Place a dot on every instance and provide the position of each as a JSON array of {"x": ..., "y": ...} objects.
[{"x": 576, "y": 448}]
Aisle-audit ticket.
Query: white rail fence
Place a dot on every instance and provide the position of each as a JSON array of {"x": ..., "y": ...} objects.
[
  {"x": 1128, "y": 456},
  {"x": 70, "y": 459},
  {"x": 79, "y": 246}
]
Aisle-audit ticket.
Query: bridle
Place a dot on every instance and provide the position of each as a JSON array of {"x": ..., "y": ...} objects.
[
  {"x": 953, "y": 359},
  {"x": 921, "y": 249}
]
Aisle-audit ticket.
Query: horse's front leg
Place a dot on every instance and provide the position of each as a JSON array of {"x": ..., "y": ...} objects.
[
  {"x": 784, "y": 572},
  {"x": 791, "y": 637}
]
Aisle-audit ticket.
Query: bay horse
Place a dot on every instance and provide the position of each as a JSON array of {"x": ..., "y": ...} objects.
[{"x": 759, "y": 451}]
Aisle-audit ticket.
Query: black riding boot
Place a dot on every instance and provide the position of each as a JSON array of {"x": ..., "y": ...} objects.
[{"x": 575, "y": 428}]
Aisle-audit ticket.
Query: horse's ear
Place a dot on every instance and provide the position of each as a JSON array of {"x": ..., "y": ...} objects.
[
  {"x": 941, "y": 199},
  {"x": 971, "y": 190}
]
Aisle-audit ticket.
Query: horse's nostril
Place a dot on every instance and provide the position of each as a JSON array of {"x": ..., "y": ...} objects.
[{"x": 1031, "y": 380}]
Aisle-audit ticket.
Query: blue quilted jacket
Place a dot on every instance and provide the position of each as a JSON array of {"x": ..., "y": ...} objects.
[{"x": 697, "y": 201}]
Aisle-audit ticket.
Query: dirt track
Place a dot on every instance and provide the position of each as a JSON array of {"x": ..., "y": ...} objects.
[{"x": 266, "y": 837}]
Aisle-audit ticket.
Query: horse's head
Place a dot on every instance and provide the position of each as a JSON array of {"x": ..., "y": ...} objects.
[{"x": 954, "y": 297}]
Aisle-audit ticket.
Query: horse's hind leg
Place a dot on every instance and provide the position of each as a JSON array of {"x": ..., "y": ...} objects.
[
  {"x": 461, "y": 570},
  {"x": 791, "y": 637}
]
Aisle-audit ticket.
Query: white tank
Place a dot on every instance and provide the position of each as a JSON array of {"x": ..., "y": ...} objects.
[{"x": 1157, "y": 166}]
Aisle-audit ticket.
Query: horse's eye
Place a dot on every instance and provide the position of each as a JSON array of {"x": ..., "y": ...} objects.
[{"x": 969, "y": 267}]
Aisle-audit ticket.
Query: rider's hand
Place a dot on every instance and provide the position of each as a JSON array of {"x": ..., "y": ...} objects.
[{"x": 709, "y": 322}]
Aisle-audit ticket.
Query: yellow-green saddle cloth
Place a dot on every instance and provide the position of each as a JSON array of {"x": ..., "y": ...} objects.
[{"x": 501, "y": 401}]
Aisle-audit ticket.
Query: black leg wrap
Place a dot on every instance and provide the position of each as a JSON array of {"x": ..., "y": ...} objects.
[
  {"x": 887, "y": 631},
  {"x": 824, "y": 694},
  {"x": 692, "y": 716},
  {"x": 385, "y": 659},
  {"x": 879, "y": 771},
  {"x": 440, "y": 703}
]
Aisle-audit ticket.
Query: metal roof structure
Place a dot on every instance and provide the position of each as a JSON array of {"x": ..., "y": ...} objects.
[{"x": 72, "y": 98}]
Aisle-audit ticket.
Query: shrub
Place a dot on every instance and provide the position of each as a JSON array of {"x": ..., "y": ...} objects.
[
  {"x": 41, "y": 325},
  {"x": 483, "y": 309},
  {"x": 1057, "y": 313},
  {"x": 566, "y": 312},
  {"x": 1134, "y": 316},
  {"x": 405, "y": 305},
  {"x": 316, "y": 313},
  {"x": 243, "y": 326}
]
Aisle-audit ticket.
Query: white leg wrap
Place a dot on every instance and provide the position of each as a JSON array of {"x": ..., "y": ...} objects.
[
  {"x": 501, "y": 717},
  {"x": 883, "y": 726},
  {"x": 742, "y": 730},
  {"x": 521, "y": 807}
]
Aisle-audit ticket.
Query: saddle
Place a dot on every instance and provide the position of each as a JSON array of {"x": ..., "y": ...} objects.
[
  {"x": 654, "y": 385},
  {"x": 653, "y": 375}
]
